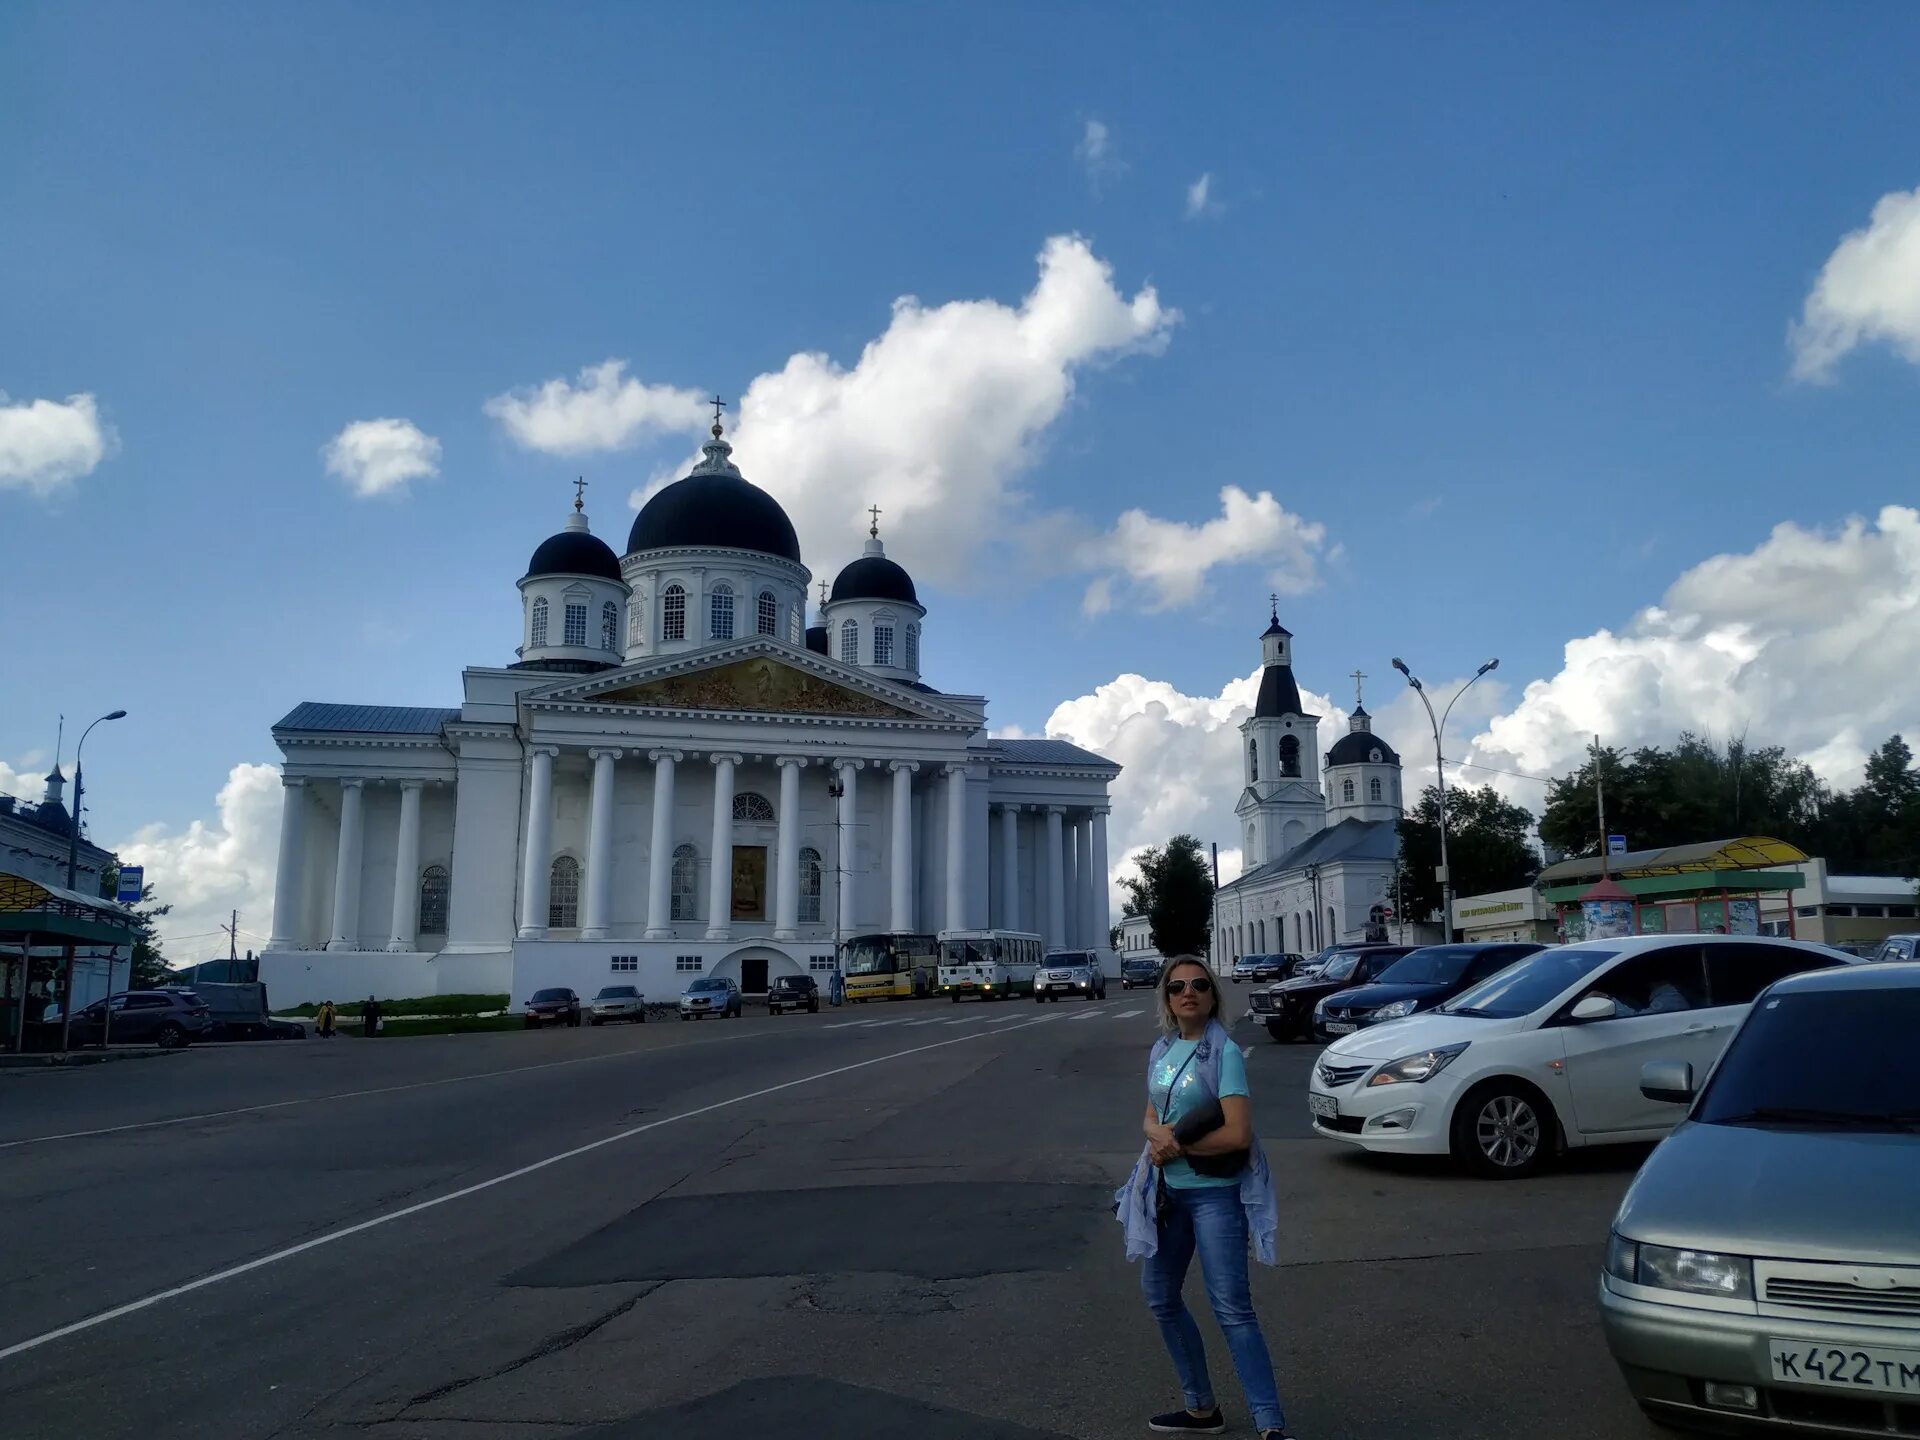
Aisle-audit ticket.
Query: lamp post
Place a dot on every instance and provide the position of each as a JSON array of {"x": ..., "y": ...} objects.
[
  {"x": 73, "y": 866},
  {"x": 1440, "y": 773},
  {"x": 836, "y": 791}
]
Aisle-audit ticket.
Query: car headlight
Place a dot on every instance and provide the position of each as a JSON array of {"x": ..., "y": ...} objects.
[
  {"x": 1692, "y": 1272},
  {"x": 1417, "y": 1069},
  {"x": 1395, "y": 1009},
  {"x": 1320, "y": 1011}
]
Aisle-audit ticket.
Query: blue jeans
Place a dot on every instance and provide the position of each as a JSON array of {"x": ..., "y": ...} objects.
[{"x": 1211, "y": 1220}]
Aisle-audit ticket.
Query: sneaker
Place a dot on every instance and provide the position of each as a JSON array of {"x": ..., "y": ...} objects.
[{"x": 1179, "y": 1422}]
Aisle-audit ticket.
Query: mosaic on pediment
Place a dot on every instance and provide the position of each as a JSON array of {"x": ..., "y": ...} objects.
[{"x": 760, "y": 686}]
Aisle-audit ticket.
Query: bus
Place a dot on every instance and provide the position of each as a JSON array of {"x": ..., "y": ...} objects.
[
  {"x": 988, "y": 963},
  {"x": 888, "y": 966}
]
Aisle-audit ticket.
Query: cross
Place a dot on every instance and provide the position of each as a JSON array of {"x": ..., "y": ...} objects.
[
  {"x": 1274, "y": 601},
  {"x": 1358, "y": 677},
  {"x": 874, "y": 529},
  {"x": 823, "y": 594},
  {"x": 580, "y": 493},
  {"x": 718, "y": 405}
]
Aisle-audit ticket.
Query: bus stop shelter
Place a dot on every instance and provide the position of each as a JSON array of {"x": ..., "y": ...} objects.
[
  {"x": 1708, "y": 886},
  {"x": 39, "y": 917}
]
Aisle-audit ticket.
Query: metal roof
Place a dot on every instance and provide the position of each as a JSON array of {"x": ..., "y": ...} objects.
[
  {"x": 31, "y": 910},
  {"x": 1744, "y": 853},
  {"x": 318, "y": 715},
  {"x": 1349, "y": 840},
  {"x": 1047, "y": 752}
]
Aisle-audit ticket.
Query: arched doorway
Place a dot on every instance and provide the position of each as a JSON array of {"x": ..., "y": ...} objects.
[{"x": 753, "y": 966}]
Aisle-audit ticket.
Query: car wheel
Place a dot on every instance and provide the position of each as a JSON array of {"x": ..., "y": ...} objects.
[
  {"x": 1503, "y": 1130},
  {"x": 1277, "y": 1031},
  {"x": 532, "y": 1024},
  {"x": 172, "y": 1037},
  {"x": 954, "y": 996},
  {"x": 595, "y": 1021}
]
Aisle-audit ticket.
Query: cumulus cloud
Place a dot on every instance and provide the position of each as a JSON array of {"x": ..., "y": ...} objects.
[
  {"x": 379, "y": 457},
  {"x": 213, "y": 867},
  {"x": 1098, "y": 154},
  {"x": 1200, "y": 201},
  {"x": 47, "y": 444},
  {"x": 1166, "y": 562},
  {"x": 1869, "y": 290},
  {"x": 601, "y": 409},
  {"x": 25, "y": 779}
]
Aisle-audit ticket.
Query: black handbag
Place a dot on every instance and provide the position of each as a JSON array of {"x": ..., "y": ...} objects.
[{"x": 1202, "y": 1122}]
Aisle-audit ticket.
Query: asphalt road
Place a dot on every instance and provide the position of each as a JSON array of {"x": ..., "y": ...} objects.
[{"x": 882, "y": 1221}]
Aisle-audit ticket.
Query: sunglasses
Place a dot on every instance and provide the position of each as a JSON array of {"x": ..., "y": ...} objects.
[{"x": 1200, "y": 984}]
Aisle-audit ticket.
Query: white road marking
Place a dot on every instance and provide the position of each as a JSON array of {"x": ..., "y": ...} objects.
[
  {"x": 235, "y": 1271},
  {"x": 963, "y": 1020},
  {"x": 1090, "y": 1015},
  {"x": 1128, "y": 1014},
  {"x": 843, "y": 1024}
]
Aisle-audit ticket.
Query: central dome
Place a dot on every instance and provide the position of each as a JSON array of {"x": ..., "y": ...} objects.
[{"x": 715, "y": 508}]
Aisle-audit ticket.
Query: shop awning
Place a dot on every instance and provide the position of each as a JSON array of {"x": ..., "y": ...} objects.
[
  {"x": 1682, "y": 885},
  {"x": 32, "y": 913},
  {"x": 1748, "y": 852}
]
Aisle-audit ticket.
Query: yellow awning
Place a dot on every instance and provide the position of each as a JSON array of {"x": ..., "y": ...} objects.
[{"x": 1748, "y": 852}]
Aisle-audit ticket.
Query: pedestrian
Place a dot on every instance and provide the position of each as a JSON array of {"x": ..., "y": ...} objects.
[
  {"x": 370, "y": 1017},
  {"x": 325, "y": 1020},
  {"x": 1202, "y": 1183},
  {"x": 836, "y": 988}
]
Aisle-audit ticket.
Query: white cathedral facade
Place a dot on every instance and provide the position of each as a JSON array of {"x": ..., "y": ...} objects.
[
  {"x": 1319, "y": 832},
  {"x": 676, "y": 775}
]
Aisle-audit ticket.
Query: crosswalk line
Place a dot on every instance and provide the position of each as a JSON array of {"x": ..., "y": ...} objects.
[
  {"x": 1128, "y": 1014},
  {"x": 1091, "y": 1015}
]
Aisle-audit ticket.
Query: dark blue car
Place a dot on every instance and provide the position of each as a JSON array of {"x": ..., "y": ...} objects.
[{"x": 1415, "y": 983}]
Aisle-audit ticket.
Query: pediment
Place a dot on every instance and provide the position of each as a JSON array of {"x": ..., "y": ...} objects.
[{"x": 759, "y": 682}]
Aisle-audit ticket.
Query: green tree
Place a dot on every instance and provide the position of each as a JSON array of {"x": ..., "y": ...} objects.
[
  {"x": 149, "y": 966},
  {"x": 1489, "y": 847},
  {"x": 1174, "y": 890}
]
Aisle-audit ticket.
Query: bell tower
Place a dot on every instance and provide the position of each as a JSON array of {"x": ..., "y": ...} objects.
[{"x": 1281, "y": 804}]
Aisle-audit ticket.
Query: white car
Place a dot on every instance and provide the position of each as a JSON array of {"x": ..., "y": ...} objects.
[{"x": 1546, "y": 1055}]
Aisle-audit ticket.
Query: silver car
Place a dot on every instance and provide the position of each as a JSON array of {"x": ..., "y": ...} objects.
[
  {"x": 618, "y": 1002},
  {"x": 1764, "y": 1270},
  {"x": 1069, "y": 972}
]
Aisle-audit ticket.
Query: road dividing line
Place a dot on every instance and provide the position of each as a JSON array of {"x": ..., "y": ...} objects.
[
  {"x": 1090, "y": 1015},
  {"x": 147, "y": 1302}
]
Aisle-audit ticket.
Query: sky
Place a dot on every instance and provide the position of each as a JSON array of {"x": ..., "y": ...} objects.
[{"x": 1587, "y": 339}]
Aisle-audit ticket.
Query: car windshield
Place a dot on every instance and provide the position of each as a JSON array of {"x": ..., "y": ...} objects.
[
  {"x": 966, "y": 952},
  {"x": 1339, "y": 967},
  {"x": 1523, "y": 988},
  {"x": 619, "y": 992},
  {"x": 549, "y": 994},
  {"x": 790, "y": 982},
  {"x": 1435, "y": 965},
  {"x": 867, "y": 957},
  {"x": 707, "y": 984},
  {"x": 1822, "y": 1060}
]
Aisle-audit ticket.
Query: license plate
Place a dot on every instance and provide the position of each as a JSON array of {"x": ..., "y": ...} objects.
[
  {"x": 1325, "y": 1106},
  {"x": 1341, "y": 1027},
  {"x": 1875, "y": 1371}
]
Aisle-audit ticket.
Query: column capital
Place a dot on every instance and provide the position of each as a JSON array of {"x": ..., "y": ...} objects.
[
  {"x": 896, "y": 766},
  {"x": 798, "y": 762},
  {"x": 656, "y": 756},
  {"x": 352, "y": 784},
  {"x": 552, "y": 752},
  {"x": 612, "y": 753},
  {"x": 727, "y": 757},
  {"x": 846, "y": 764},
  {"x": 292, "y": 782},
  {"x": 1100, "y": 810},
  {"x": 956, "y": 767},
  {"x": 406, "y": 785},
  {"x": 1054, "y": 809}
]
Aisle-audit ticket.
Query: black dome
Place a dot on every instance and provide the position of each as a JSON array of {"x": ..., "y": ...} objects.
[
  {"x": 715, "y": 512},
  {"x": 1357, "y": 748},
  {"x": 874, "y": 577},
  {"x": 575, "y": 552},
  {"x": 1279, "y": 693},
  {"x": 817, "y": 639}
]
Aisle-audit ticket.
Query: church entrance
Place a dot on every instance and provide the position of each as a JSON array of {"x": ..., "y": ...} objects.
[{"x": 753, "y": 974}]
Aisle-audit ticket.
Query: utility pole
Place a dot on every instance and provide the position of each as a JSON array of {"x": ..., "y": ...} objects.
[
  {"x": 233, "y": 941},
  {"x": 1600, "y": 802},
  {"x": 1213, "y": 936}
]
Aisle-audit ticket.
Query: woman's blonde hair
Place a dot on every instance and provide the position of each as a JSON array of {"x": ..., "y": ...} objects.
[{"x": 1168, "y": 1024}]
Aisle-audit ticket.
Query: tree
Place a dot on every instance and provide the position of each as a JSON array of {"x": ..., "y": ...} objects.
[
  {"x": 1174, "y": 890},
  {"x": 1489, "y": 847},
  {"x": 149, "y": 968}
]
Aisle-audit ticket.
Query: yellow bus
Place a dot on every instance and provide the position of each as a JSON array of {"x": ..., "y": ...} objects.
[{"x": 888, "y": 966}]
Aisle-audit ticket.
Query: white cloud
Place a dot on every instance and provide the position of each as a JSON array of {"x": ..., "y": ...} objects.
[
  {"x": 379, "y": 457},
  {"x": 1098, "y": 154},
  {"x": 27, "y": 779},
  {"x": 1869, "y": 290},
  {"x": 603, "y": 409},
  {"x": 212, "y": 868},
  {"x": 47, "y": 444},
  {"x": 1166, "y": 562},
  {"x": 1200, "y": 201}
]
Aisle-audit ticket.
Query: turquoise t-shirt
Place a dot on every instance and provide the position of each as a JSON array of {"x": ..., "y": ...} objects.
[{"x": 1190, "y": 1095}]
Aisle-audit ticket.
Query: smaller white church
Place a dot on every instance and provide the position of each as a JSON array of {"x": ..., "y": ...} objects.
[{"x": 1319, "y": 832}]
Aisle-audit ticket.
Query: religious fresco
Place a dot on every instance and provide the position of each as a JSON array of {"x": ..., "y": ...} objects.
[
  {"x": 760, "y": 685},
  {"x": 750, "y": 882}
]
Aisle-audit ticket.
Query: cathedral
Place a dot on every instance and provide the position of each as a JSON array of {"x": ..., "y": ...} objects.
[
  {"x": 1319, "y": 832},
  {"x": 675, "y": 775}
]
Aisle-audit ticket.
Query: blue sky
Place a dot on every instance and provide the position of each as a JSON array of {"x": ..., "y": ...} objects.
[{"x": 1498, "y": 296}]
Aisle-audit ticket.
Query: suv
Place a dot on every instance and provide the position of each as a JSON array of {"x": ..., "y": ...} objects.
[
  {"x": 711, "y": 995},
  {"x": 1070, "y": 972},
  {"x": 557, "y": 1004},
  {"x": 1420, "y": 981},
  {"x": 1139, "y": 970},
  {"x": 794, "y": 992},
  {"x": 1898, "y": 947},
  {"x": 1288, "y": 1007},
  {"x": 618, "y": 1002},
  {"x": 167, "y": 1018}
]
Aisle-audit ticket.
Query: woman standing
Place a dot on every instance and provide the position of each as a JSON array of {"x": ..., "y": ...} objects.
[{"x": 1202, "y": 1184}]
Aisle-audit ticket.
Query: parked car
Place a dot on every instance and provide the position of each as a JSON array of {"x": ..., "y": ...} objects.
[
  {"x": 167, "y": 1018},
  {"x": 794, "y": 992},
  {"x": 1287, "y": 1008},
  {"x": 711, "y": 995},
  {"x": 1069, "y": 972},
  {"x": 1139, "y": 970},
  {"x": 1547, "y": 1054},
  {"x": 1262, "y": 967},
  {"x": 238, "y": 1012},
  {"x": 1764, "y": 1265},
  {"x": 618, "y": 1002},
  {"x": 1419, "y": 981},
  {"x": 555, "y": 1005},
  {"x": 1897, "y": 948}
]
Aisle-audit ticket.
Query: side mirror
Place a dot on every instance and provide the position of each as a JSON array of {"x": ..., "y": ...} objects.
[
  {"x": 1593, "y": 1007},
  {"x": 1668, "y": 1081}
]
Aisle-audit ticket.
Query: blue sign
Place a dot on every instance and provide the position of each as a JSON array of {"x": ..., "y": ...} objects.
[
  {"x": 133, "y": 879},
  {"x": 1616, "y": 844}
]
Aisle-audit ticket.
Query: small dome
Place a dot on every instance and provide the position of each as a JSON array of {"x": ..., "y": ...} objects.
[
  {"x": 574, "y": 552},
  {"x": 1361, "y": 747},
  {"x": 874, "y": 577},
  {"x": 817, "y": 639},
  {"x": 715, "y": 508}
]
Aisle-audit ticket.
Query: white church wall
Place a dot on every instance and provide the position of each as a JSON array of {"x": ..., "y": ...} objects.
[
  {"x": 486, "y": 843},
  {"x": 306, "y": 977}
]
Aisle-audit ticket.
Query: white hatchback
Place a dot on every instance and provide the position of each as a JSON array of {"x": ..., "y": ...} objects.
[{"x": 1546, "y": 1055}]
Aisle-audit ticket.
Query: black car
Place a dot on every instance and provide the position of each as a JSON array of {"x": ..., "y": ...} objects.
[
  {"x": 794, "y": 992},
  {"x": 556, "y": 1006},
  {"x": 1139, "y": 970},
  {"x": 167, "y": 1018},
  {"x": 1414, "y": 983},
  {"x": 1287, "y": 1007}
]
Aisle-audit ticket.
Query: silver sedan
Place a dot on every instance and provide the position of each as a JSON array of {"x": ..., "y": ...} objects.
[{"x": 618, "y": 1002}]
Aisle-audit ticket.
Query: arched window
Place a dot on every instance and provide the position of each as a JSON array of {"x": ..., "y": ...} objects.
[
  {"x": 883, "y": 644},
  {"x": 1253, "y": 760},
  {"x": 686, "y": 876},
  {"x": 433, "y": 900},
  {"x": 576, "y": 624},
  {"x": 1346, "y": 791},
  {"x": 767, "y": 614},
  {"x": 609, "y": 626},
  {"x": 850, "y": 642},
  {"x": 794, "y": 633},
  {"x": 1330, "y": 935},
  {"x": 1299, "y": 940},
  {"x": 1373, "y": 789},
  {"x": 720, "y": 613},
  {"x": 1289, "y": 756},
  {"x": 636, "y": 622},
  {"x": 749, "y": 806},
  {"x": 913, "y": 647},
  {"x": 673, "y": 614},
  {"x": 809, "y": 886},
  {"x": 563, "y": 894},
  {"x": 539, "y": 623}
]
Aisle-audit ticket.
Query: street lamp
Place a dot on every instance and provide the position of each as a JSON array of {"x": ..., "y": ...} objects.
[
  {"x": 1440, "y": 772},
  {"x": 73, "y": 865},
  {"x": 836, "y": 792}
]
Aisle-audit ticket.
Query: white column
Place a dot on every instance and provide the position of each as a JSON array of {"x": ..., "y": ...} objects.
[
  {"x": 289, "y": 895},
  {"x": 848, "y": 891},
  {"x": 599, "y": 907},
  {"x": 1090, "y": 937},
  {"x": 786, "y": 888},
  {"x": 346, "y": 875},
  {"x": 1010, "y": 866},
  {"x": 1070, "y": 909},
  {"x": 957, "y": 916},
  {"x": 720, "y": 875},
  {"x": 406, "y": 871},
  {"x": 900, "y": 863},
  {"x": 1102, "y": 893},
  {"x": 536, "y": 859},
  {"x": 660, "y": 857},
  {"x": 1056, "y": 881}
]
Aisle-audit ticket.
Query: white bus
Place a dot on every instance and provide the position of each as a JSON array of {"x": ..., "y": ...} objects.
[{"x": 993, "y": 964}]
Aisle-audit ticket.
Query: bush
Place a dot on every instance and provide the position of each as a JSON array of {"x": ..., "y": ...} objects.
[{"x": 418, "y": 1005}]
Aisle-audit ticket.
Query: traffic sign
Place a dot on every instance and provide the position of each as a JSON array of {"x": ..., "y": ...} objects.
[
  {"x": 133, "y": 880},
  {"x": 1616, "y": 844}
]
